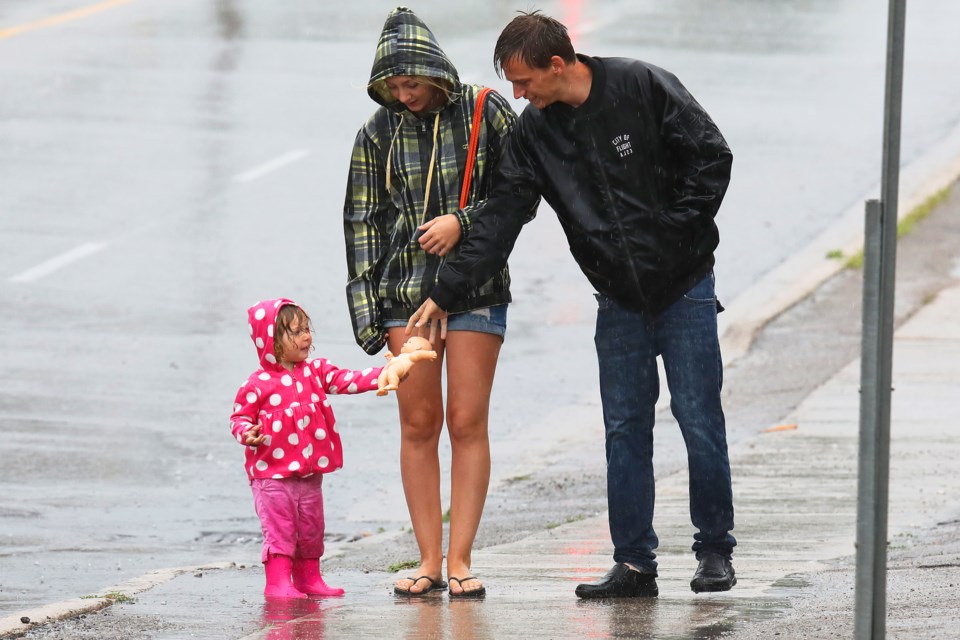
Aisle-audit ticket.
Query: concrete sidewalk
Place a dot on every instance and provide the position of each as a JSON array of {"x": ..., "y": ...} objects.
[{"x": 795, "y": 495}]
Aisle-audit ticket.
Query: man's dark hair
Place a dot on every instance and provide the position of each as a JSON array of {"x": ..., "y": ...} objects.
[{"x": 532, "y": 38}]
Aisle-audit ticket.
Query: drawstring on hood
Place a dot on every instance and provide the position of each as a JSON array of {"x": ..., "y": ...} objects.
[
  {"x": 393, "y": 140},
  {"x": 433, "y": 162}
]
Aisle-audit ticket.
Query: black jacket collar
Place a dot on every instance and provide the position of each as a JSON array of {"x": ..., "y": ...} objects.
[{"x": 597, "y": 84}]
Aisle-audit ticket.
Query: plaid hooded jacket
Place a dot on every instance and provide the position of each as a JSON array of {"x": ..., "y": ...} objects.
[{"x": 389, "y": 275}]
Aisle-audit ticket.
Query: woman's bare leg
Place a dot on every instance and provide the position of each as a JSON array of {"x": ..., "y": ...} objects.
[
  {"x": 471, "y": 364},
  {"x": 421, "y": 418}
]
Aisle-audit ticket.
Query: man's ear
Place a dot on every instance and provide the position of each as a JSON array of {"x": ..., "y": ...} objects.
[{"x": 557, "y": 65}]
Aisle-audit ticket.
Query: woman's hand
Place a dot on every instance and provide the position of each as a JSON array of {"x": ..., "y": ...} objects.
[
  {"x": 440, "y": 235},
  {"x": 431, "y": 316}
]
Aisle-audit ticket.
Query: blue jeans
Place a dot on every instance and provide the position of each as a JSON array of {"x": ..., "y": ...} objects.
[{"x": 628, "y": 343}]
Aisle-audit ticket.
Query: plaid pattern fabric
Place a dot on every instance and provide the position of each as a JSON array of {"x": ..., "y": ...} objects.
[
  {"x": 389, "y": 275},
  {"x": 407, "y": 47}
]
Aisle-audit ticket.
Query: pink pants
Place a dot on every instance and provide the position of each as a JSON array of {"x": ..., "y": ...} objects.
[{"x": 291, "y": 516}]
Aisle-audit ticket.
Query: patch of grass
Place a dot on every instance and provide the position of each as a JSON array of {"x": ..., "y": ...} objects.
[
  {"x": 855, "y": 261},
  {"x": 907, "y": 223},
  {"x": 578, "y": 518},
  {"x": 516, "y": 479},
  {"x": 400, "y": 566},
  {"x": 116, "y": 596},
  {"x": 835, "y": 254},
  {"x": 381, "y": 530},
  {"x": 924, "y": 209},
  {"x": 446, "y": 516}
]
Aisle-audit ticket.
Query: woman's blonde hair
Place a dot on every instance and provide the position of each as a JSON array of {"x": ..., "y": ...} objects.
[{"x": 444, "y": 86}]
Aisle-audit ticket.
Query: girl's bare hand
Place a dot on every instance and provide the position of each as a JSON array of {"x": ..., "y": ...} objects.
[{"x": 252, "y": 437}]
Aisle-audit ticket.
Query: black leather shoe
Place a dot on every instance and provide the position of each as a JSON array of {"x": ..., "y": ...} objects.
[
  {"x": 715, "y": 573},
  {"x": 622, "y": 582}
]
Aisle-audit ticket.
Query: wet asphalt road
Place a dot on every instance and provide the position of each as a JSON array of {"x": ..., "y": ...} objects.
[{"x": 165, "y": 164}]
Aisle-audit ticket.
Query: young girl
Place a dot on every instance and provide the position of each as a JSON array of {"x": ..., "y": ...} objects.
[
  {"x": 401, "y": 217},
  {"x": 282, "y": 415}
]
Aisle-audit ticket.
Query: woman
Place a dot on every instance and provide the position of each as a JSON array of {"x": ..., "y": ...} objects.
[{"x": 401, "y": 217}]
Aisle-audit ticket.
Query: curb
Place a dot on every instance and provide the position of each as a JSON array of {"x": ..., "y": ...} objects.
[
  {"x": 14, "y": 626},
  {"x": 804, "y": 272}
]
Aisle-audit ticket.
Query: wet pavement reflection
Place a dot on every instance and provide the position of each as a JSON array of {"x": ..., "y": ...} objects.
[{"x": 291, "y": 619}]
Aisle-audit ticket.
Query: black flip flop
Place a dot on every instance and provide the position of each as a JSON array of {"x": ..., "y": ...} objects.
[
  {"x": 476, "y": 593},
  {"x": 435, "y": 585}
]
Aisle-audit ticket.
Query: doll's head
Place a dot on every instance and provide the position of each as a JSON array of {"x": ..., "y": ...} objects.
[
  {"x": 416, "y": 343},
  {"x": 292, "y": 340}
]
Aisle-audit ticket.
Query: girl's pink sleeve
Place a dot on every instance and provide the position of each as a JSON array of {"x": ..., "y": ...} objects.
[
  {"x": 336, "y": 380},
  {"x": 246, "y": 407}
]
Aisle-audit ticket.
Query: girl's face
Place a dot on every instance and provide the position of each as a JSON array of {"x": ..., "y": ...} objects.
[
  {"x": 295, "y": 344},
  {"x": 416, "y": 95}
]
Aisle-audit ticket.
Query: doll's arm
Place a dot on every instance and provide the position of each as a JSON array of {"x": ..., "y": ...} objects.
[
  {"x": 389, "y": 379},
  {"x": 398, "y": 368},
  {"x": 420, "y": 356}
]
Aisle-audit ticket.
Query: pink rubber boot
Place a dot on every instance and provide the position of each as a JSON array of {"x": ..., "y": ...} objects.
[
  {"x": 278, "y": 569},
  {"x": 307, "y": 578}
]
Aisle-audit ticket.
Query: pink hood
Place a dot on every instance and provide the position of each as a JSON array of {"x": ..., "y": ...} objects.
[{"x": 263, "y": 320}]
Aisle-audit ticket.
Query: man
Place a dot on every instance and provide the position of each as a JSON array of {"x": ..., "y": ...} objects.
[{"x": 636, "y": 170}]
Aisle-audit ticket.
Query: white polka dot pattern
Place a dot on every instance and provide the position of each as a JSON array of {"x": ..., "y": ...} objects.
[{"x": 298, "y": 425}]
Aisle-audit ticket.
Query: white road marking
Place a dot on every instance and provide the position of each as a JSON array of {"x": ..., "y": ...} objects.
[
  {"x": 273, "y": 165},
  {"x": 58, "y": 262},
  {"x": 89, "y": 248}
]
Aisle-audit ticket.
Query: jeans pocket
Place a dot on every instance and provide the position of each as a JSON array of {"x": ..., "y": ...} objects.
[{"x": 703, "y": 292}]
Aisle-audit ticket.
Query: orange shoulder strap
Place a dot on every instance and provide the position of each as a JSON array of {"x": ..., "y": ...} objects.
[{"x": 472, "y": 148}]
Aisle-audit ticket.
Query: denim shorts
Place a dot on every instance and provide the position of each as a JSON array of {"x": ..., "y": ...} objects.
[{"x": 486, "y": 320}]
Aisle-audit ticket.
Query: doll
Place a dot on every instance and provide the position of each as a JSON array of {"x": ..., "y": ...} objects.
[{"x": 414, "y": 350}]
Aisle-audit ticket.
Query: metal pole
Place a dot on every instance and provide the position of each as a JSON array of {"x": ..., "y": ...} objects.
[
  {"x": 867, "y": 502},
  {"x": 880, "y": 250}
]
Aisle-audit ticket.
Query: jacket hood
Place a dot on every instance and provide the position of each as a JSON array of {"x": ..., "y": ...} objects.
[
  {"x": 263, "y": 319},
  {"x": 407, "y": 47}
]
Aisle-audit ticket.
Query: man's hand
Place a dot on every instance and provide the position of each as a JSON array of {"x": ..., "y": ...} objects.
[
  {"x": 252, "y": 437},
  {"x": 422, "y": 317},
  {"x": 440, "y": 235}
]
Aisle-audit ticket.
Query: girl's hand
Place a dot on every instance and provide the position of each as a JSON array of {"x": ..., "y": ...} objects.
[
  {"x": 440, "y": 235},
  {"x": 252, "y": 437}
]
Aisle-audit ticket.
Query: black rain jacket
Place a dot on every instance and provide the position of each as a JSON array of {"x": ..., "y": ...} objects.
[{"x": 635, "y": 174}]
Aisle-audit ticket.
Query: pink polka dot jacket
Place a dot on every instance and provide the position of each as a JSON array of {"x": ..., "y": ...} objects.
[{"x": 292, "y": 406}]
